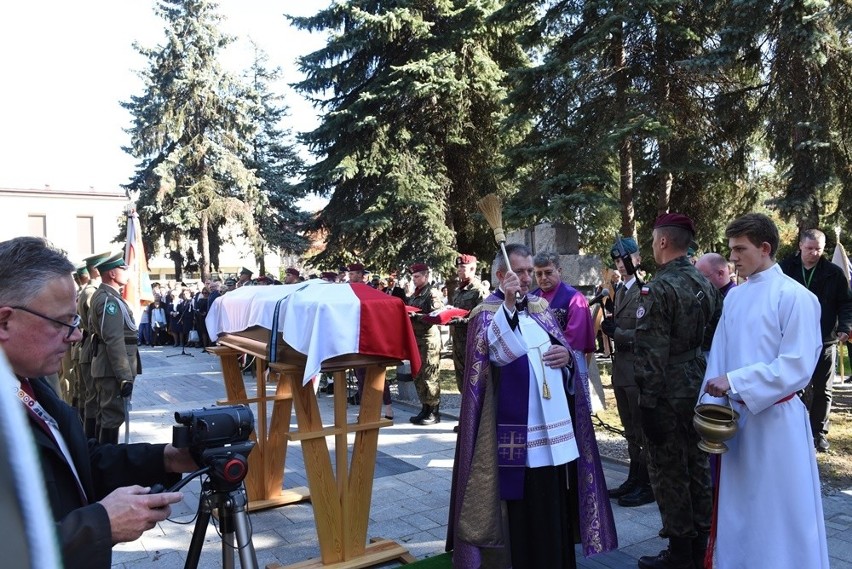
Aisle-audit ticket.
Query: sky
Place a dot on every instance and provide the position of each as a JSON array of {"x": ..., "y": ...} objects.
[{"x": 67, "y": 65}]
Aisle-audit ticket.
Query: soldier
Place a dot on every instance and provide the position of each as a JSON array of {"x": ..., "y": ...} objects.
[
  {"x": 88, "y": 393},
  {"x": 636, "y": 490},
  {"x": 68, "y": 372},
  {"x": 291, "y": 276},
  {"x": 115, "y": 355},
  {"x": 469, "y": 293},
  {"x": 245, "y": 278},
  {"x": 356, "y": 273},
  {"x": 675, "y": 321},
  {"x": 427, "y": 298}
]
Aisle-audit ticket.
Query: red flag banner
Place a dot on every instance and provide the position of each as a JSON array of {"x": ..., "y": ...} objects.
[{"x": 137, "y": 292}]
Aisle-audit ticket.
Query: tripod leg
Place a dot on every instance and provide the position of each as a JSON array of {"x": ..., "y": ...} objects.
[
  {"x": 248, "y": 558},
  {"x": 226, "y": 528},
  {"x": 198, "y": 534}
]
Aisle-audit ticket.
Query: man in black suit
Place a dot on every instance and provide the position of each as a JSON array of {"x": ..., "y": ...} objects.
[{"x": 98, "y": 493}]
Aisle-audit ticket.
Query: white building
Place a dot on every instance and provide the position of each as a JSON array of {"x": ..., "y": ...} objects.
[{"x": 85, "y": 223}]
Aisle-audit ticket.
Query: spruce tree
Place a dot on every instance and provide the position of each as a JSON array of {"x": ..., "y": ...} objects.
[
  {"x": 411, "y": 92},
  {"x": 190, "y": 132}
]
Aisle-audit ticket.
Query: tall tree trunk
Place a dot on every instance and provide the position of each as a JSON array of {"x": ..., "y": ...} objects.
[
  {"x": 625, "y": 148},
  {"x": 204, "y": 247}
]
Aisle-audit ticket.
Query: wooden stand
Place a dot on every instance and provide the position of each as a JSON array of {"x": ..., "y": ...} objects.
[{"x": 341, "y": 503}]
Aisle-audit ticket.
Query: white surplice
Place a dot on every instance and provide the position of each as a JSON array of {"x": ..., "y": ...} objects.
[
  {"x": 550, "y": 433},
  {"x": 770, "y": 505}
]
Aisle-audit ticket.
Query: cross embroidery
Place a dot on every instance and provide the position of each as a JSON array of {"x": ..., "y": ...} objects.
[{"x": 509, "y": 444}]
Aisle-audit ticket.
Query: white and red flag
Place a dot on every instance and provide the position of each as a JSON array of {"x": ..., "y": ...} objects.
[{"x": 137, "y": 292}]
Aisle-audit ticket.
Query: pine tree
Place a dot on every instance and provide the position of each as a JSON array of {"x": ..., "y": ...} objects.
[
  {"x": 190, "y": 131},
  {"x": 410, "y": 134},
  {"x": 276, "y": 163}
]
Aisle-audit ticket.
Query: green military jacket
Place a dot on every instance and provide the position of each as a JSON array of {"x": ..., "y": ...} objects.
[
  {"x": 469, "y": 296},
  {"x": 84, "y": 304},
  {"x": 676, "y": 317},
  {"x": 111, "y": 320},
  {"x": 427, "y": 300},
  {"x": 624, "y": 316}
]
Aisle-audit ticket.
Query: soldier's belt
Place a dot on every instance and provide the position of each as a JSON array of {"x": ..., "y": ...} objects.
[{"x": 684, "y": 357}]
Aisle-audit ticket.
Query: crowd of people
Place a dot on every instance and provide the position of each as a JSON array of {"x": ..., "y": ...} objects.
[{"x": 527, "y": 479}]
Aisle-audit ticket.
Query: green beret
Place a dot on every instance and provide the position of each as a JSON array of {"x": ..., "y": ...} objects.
[
  {"x": 94, "y": 260},
  {"x": 112, "y": 262},
  {"x": 629, "y": 245}
]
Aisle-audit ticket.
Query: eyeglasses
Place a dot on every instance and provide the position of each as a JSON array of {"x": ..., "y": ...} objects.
[{"x": 72, "y": 327}]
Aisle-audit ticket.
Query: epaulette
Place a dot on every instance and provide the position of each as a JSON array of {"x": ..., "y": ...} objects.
[
  {"x": 483, "y": 307},
  {"x": 536, "y": 304}
]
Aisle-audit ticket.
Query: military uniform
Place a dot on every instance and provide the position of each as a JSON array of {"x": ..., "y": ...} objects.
[
  {"x": 676, "y": 316},
  {"x": 429, "y": 345},
  {"x": 467, "y": 297},
  {"x": 115, "y": 353}
]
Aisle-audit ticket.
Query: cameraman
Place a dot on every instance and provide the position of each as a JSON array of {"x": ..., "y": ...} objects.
[{"x": 98, "y": 493}]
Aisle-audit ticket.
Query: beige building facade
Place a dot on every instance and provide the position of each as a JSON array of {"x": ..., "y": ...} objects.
[{"x": 87, "y": 222}]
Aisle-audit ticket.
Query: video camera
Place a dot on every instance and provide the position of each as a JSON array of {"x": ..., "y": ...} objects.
[
  {"x": 217, "y": 438},
  {"x": 210, "y": 427}
]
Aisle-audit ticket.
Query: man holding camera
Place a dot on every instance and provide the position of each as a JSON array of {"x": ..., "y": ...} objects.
[{"x": 98, "y": 493}]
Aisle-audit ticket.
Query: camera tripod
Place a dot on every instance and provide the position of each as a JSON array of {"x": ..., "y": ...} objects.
[{"x": 223, "y": 491}]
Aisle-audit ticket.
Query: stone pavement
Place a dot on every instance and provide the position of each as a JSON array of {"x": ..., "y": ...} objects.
[{"x": 410, "y": 495}]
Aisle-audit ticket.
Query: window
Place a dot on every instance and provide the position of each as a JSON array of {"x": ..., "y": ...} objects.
[
  {"x": 85, "y": 235},
  {"x": 38, "y": 225}
]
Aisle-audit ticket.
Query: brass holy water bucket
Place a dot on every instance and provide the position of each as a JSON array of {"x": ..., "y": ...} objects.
[{"x": 715, "y": 424}]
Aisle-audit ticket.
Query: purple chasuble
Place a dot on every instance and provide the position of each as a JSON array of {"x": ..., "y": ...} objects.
[{"x": 475, "y": 471}]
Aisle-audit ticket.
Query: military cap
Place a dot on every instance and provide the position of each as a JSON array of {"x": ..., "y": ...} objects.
[
  {"x": 112, "y": 262},
  {"x": 94, "y": 260},
  {"x": 419, "y": 268},
  {"x": 465, "y": 260},
  {"x": 292, "y": 271},
  {"x": 628, "y": 244},
  {"x": 245, "y": 271},
  {"x": 82, "y": 269},
  {"x": 329, "y": 275},
  {"x": 675, "y": 220},
  {"x": 230, "y": 281},
  {"x": 355, "y": 267}
]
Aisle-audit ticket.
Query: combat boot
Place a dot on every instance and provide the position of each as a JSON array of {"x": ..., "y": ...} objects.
[
  {"x": 419, "y": 417},
  {"x": 677, "y": 556},
  {"x": 628, "y": 485},
  {"x": 91, "y": 426},
  {"x": 699, "y": 549},
  {"x": 109, "y": 435},
  {"x": 643, "y": 494},
  {"x": 432, "y": 417}
]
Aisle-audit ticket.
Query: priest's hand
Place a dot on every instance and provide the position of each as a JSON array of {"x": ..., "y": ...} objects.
[
  {"x": 557, "y": 356},
  {"x": 511, "y": 286},
  {"x": 718, "y": 386}
]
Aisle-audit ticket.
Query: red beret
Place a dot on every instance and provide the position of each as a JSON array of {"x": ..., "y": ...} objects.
[
  {"x": 675, "y": 220},
  {"x": 292, "y": 271},
  {"x": 355, "y": 267},
  {"x": 465, "y": 260},
  {"x": 419, "y": 268},
  {"x": 329, "y": 275}
]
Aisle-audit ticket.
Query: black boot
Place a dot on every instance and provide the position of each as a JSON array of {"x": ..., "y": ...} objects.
[
  {"x": 91, "y": 426},
  {"x": 432, "y": 417},
  {"x": 109, "y": 435},
  {"x": 699, "y": 549},
  {"x": 677, "y": 556},
  {"x": 628, "y": 485},
  {"x": 424, "y": 410},
  {"x": 640, "y": 496}
]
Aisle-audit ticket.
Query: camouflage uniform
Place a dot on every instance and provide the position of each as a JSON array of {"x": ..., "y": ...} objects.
[
  {"x": 466, "y": 297},
  {"x": 88, "y": 394},
  {"x": 115, "y": 357},
  {"x": 429, "y": 345},
  {"x": 675, "y": 320}
]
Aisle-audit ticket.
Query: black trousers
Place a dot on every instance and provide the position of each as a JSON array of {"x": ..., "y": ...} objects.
[{"x": 817, "y": 395}]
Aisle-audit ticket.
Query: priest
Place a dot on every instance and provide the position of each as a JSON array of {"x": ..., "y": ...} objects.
[{"x": 527, "y": 479}]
